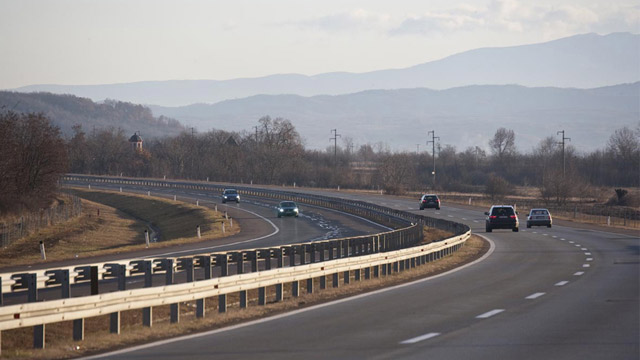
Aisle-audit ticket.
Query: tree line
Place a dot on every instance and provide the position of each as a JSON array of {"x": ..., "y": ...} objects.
[{"x": 274, "y": 153}]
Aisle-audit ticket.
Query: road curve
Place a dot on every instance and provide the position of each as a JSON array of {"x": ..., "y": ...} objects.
[{"x": 559, "y": 293}]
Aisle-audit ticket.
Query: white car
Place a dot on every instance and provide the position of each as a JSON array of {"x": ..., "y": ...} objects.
[{"x": 539, "y": 217}]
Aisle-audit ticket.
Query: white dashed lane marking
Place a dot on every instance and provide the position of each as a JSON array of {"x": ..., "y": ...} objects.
[
  {"x": 586, "y": 265},
  {"x": 420, "y": 338},
  {"x": 562, "y": 283},
  {"x": 579, "y": 273},
  {"x": 489, "y": 314},
  {"x": 534, "y": 296}
]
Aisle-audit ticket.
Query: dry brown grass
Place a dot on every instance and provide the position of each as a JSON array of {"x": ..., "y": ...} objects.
[
  {"x": 114, "y": 223},
  {"x": 16, "y": 343}
]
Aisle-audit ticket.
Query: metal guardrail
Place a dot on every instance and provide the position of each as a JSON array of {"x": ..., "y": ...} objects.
[
  {"x": 32, "y": 314},
  {"x": 303, "y": 260}
]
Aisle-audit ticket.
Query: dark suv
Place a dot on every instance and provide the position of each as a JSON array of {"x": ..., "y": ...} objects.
[
  {"x": 429, "y": 201},
  {"x": 230, "y": 195},
  {"x": 502, "y": 217}
]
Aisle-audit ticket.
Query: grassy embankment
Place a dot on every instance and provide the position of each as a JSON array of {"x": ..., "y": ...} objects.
[{"x": 114, "y": 223}]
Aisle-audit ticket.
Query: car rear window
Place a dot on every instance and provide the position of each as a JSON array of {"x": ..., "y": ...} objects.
[
  {"x": 502, "y": 211},
  {"x": 288, "y": 204},
  {"x": 430, "y": 198},
  {"x": 540, "y": 212}
]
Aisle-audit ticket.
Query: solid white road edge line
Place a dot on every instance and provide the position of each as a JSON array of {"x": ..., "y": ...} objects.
[
  {"x": 489, "y": 314},
  {"x": 277, "y": 230},
  {"x": 295, "y": 312},
  {"x": 420, "y": 338}
]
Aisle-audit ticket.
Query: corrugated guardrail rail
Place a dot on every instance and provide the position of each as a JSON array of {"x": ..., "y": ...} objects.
[{"x": 172, "y": 280}]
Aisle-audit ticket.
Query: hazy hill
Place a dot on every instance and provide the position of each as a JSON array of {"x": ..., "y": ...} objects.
[
  {"x": 582, "y": 61},
  {"x": 67, "y": 110},
  {"x": 464, "y": 116}
]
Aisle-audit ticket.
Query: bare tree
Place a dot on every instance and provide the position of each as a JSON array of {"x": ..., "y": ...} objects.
[
  {"x": 503, "y": 143},
  {"x": 497, "y": 187},
  {"x": 33, "y": 156}
]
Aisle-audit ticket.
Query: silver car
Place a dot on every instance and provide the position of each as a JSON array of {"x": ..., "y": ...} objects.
[{"x": 539, "y": 217}]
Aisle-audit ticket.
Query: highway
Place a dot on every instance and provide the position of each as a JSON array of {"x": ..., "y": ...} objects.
[
  {"x": 558, "y": 293},
  {"x": 260, "y": 228}
]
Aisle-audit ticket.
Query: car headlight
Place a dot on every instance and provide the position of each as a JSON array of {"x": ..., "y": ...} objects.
[
  {"x": 238, "y": 197},
  {"x": 281, "y": 210},
  {"x": 224, "y": 196},
  {"x": 296, "y": 209}
]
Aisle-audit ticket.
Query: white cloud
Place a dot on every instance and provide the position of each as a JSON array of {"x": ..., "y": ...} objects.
[
  {"x": 552, "y": 19},
  {"x": 357, "y": 19}
]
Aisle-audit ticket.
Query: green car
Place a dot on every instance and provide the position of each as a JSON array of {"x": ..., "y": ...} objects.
[{"x": 287, "y": 208}]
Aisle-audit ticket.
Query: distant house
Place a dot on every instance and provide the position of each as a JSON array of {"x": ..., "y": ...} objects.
[{"x": 136, "y": 142}]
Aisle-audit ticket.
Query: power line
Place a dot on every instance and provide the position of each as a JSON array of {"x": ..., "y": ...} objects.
[
  {"x": 335, "y": 145},
  {"x": 433, "y": 153},
  {"x": 564, "y": 164}
]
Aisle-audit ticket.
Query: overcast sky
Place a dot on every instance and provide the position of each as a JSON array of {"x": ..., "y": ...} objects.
[{"x": 75, "y": 42}]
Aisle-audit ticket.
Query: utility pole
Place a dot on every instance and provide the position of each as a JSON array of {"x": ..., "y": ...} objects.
[
  {"x": 564, "y": 165},
  {"x": 335, "y": 146},
  {"x": 417, "y": 148},
  {"x": 433, "y": 153}
]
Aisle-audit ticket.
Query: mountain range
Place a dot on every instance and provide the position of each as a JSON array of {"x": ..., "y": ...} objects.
[
  {"x": 464, "y": 116},
  {"x": 580, "y": 61},
  {"x": 65, "y": 111}
]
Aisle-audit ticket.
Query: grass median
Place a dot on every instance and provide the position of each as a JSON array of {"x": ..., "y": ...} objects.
[{"x": 113, "y": 223}]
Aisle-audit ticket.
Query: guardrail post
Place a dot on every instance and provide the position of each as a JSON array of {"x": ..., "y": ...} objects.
[
  {"x": 292, "y": 255},
  {"x": 118, "y": 271},
  {"x": 295, "y": 288},
  {"x": 312, "y": 253},
  {"x": 186, "y": 264},
  {"x": 321, "y": 248},
  {"x": 238, "y": 257},
  {"x": 330, "y": 245},
  {"x": 279, "y": 254},
  {"x": 93, "y": 272},
  {"x": 266, "y": 255},
  {"x": 302, "y": 250},
  {"x": 204, "y": 262},
  {"x": 253, "y": 256},
  {"x": 144, "y": 266},
  {"x": 31, "y": 281},
  {"x": 223, "y": 262},
  {"x": 310, "y": 286}
]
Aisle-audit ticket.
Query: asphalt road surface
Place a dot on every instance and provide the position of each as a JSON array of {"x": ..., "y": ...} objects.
[{"x": 558, "y": 293}]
